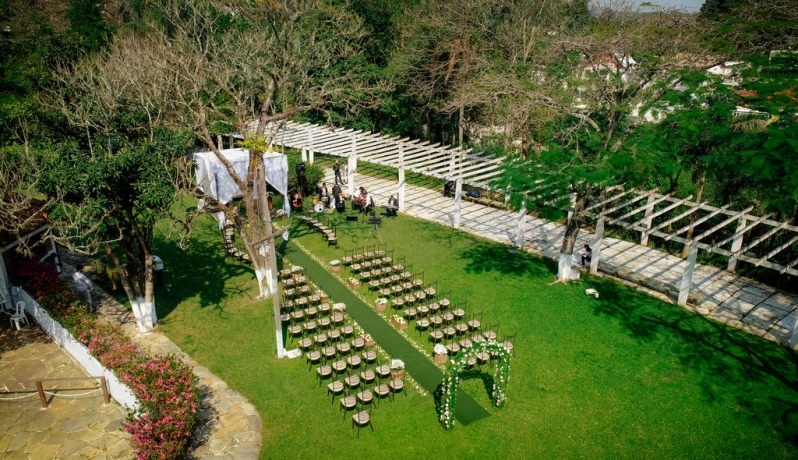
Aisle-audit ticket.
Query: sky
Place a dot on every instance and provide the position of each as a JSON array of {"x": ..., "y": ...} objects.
[{"x": 689, "y": 5}]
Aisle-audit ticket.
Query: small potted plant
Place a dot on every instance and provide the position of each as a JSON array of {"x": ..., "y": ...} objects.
[
  {"x": 335, "y": 266},
  {"x": 440, "y": 354},
  {"x": 397, "y": 369},
  {"x": 381, "y": 304},
  {"x": 399, "y": 322},
  {"x": 369, "y": 340},
  {"x": 353, "y": 283}
]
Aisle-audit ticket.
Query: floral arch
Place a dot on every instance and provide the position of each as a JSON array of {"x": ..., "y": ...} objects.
[{"x": 459, "y": 364}]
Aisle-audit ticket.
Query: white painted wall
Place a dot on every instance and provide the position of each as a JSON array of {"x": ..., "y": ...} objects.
[{"x": 119, "y": 391}]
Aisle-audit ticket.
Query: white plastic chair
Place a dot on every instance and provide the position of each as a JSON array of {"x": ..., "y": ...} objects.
[{"x": 19, "y": 315}]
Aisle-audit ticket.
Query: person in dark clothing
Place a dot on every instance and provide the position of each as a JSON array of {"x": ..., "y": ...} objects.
[
  {"x": 587, "y": 254},
  {"x": 337, "y": 171}
]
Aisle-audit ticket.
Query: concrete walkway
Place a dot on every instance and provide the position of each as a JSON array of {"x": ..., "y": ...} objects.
[
  {"x": 229, "y": 426},
  {"x": 739, "y": 302},
  {"x": 77, "y": 424}
]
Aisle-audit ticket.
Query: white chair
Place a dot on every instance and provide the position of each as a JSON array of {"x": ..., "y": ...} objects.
[{"x": 19, "y": 315}]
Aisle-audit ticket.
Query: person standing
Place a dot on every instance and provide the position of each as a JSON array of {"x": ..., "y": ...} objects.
[
  {"x": 337, "y": 171},
  {"x": 158, "y": 270},
  {"x": 84, "y": 287}
]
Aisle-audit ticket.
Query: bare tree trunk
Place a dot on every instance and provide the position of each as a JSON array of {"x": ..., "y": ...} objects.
[
  {"x": 460, "y": 127},
  {"x": 133, "y": 291},
  {"x": 701, "y": 181}
]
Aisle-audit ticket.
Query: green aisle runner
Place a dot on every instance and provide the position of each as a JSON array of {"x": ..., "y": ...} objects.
[{"x": 416, "y": 364}]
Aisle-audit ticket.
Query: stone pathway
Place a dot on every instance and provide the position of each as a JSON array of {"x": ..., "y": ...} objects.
[
  {"x": 229, "y": 426},
  {"x": 739, "y": 302},
  {"x": 74, "y": 425}
]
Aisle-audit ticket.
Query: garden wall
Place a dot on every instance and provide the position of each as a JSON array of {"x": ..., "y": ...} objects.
[{"x": 119, "y": 391}]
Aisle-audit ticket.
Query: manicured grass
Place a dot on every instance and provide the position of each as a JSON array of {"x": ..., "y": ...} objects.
[{"x": 619, "y": 376}]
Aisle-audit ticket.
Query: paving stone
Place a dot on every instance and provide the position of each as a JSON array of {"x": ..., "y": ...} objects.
[
  {"x": 119, "y": 449},
  {"x": 764, "y": 316},
  {"x": 738, "y": 305},
  {"x": 726, "y": 316},
  {"x": 18, "y": 442},
  {"x": 43, "y": 451},
  {"x": 4, "y": 442},
  {"x": 70, "y": 447},
  {"x": 245, "y": 452}
]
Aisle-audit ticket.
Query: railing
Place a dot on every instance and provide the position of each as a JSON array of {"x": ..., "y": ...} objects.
[{"x": 103, "y": 385}]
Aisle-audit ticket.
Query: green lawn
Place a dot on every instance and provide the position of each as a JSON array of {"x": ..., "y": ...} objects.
[{"x": 621, "y": 376}]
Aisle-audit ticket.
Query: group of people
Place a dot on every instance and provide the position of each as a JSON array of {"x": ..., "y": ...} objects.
[{"x": 364, "y": 200}]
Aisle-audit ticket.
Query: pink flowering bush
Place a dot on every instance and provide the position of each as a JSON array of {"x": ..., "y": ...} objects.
[{"x": 164, "y": 385}]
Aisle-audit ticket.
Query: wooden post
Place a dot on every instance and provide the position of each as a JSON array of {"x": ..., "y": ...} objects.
[
  {"x": 519, "y": 240},
  {"x": 737, "y": 244},
  {"x": 219, "y": 142},
  {"x": 687, "y": 275},
  {"x": 457, "y": 198},
  {"x": 104, "y": 385},
  {"x": 599, "y": 237},
  {"x": 647, "y": 220},
  {"x": 401, "y": 192},
  {"x": 42, "y": 397}
]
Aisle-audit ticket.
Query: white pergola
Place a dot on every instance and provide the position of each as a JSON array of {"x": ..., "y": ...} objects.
[
  {"x": 435, "y": 160},
  {"x": 733, "y": 233}
]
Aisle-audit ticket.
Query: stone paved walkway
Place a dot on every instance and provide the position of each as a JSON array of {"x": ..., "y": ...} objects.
[
  {"x": 229, "y": 426},
  {"x": 74, "y": 426},
  {"x": 739, "y": 302}
]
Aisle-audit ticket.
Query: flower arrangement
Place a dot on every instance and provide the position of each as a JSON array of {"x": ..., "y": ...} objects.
[
  {"x": 397, "y": 365},
  {"x": 335, "y": 262},
  {"x": 296, "y": 269},
  {"x": 448, "y": 390},
  {"x": 335, "y": 266},
  {"x": 353, "y": 281},
  {"x": 339, "y": 306},
  {"x": 380, "y": 304},
  {"x": 439, "y": 349},
  {"x": 399, "y": 322},
  {"x": 165, "y": 386}
]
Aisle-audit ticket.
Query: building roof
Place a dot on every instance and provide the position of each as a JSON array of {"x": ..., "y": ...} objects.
[{"x": 21, "y": 223}]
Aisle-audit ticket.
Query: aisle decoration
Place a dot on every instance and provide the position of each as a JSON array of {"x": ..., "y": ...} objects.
[{"x": 459, "y": 365}]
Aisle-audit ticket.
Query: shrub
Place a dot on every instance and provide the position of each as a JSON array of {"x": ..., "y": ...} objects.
[{"x": 164, "y": 385}]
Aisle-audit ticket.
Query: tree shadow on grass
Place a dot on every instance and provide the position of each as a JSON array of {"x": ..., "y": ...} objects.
[
  {"x": 200, "y": 271},
  {"x": 487, "y": 257},
  {"x": 729, "y": 360}
]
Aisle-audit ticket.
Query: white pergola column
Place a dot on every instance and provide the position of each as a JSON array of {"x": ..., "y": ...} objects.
[
  {"x": 458, "y": 192},
  {"x": 311, "y": 158},
  {"x": 304, "y": 154},
  {"x": 687, "y": 275},
  {"x": 737, "y": 244},
  {"x": 350, "y": 178},
  {"x": 599, "y": 238},
  {"x": 647, "y": 220},
  {"x": 519, "y": 240},
  {"x": 401, "y": 191}
]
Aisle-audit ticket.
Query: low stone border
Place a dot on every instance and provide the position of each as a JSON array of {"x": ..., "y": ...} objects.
[{"x": 228, "y": 425}]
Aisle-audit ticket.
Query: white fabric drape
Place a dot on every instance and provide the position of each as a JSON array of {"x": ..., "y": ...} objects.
[{"x": 213, "y": 178}]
